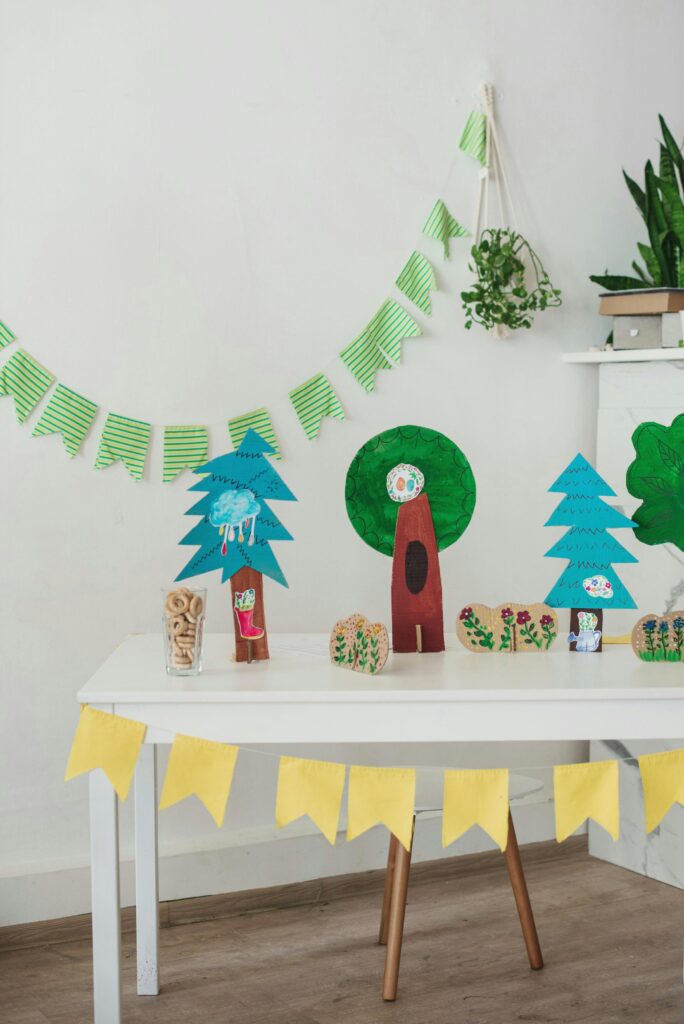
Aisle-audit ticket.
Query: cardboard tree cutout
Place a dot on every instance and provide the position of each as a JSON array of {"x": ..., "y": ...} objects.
[
  {"x": 656, "y": 477},
  {"x": 235, "y": 532},
  {"x": 589, "y": 583},
  {"x": 410, "y": 493}
]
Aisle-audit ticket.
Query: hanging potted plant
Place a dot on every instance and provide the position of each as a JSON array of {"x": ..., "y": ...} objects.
[{"x": 511, "y": 283}]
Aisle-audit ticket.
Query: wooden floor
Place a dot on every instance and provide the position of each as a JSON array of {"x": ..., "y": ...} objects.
[{"x": 612, "y": 942}]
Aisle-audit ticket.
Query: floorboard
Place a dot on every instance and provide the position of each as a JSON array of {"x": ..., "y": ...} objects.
[{"x": 612, "y": 943}]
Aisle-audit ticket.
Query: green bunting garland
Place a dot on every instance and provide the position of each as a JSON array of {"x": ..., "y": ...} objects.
[
  {"x": 26, "y": 380},
  {"x": 474, "y": 138},
  {"x": 380, "y": 339},
  {"x": 6, "y": 336},
  {"x": 184, "y": 448},
  {"x": 126, "y": 440},
  {"x": 313, "y": 401},
  {"x": 68, "y": 414},
  {"x": 416, "y": 281},
  {"x": 442, "y": 226},
  {"x": 258, "y": 420}
]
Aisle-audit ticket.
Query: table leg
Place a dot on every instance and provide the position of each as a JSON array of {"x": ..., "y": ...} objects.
[
  {"x": 146, "y": 871},
  {"x": 104, "y": 881}
]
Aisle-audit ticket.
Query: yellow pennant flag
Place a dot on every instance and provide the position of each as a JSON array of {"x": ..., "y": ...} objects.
[
  {"x": 586, "y": 791},
  {"x": 203, "y": 768},
  {"x": 108, "y": 742},
  {"x": 381, "y": 796},
  {"x": 313, "y": 788},
  {"x": 662, "y": 776},
  {"x": 476, "y": 797}
]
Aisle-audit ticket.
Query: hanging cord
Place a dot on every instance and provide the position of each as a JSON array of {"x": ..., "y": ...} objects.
[{"x": 494, "y": 167}]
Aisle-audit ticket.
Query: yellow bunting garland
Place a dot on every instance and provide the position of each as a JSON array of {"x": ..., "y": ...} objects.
[
  {"x": 586, "y": 791},
  {"x": 202, "y": 768},
  {"x": 313, "y": 788},
  {"x": 108, "y": 742},
  {"x": 381, "y": 796},
  {"x": 662, "y": 776},
  {"x": 476, "y": 797},
  {"x": 26, "y": 380}
]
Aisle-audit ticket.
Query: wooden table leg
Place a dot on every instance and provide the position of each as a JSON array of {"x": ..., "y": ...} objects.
[
  {"x": 387, "y": 894},
  {"x": 146, "y": 871},
  {"x": 522, "y": 899},
  {"x": 104, "y": 880},
  {"x": 395, "y": 930}
]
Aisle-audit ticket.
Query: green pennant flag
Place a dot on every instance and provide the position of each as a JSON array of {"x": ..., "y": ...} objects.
[
  {"x": 6, "y": 336},
  {"x": 381, "y": 338},
  {"x": 126, "y": 440},
  {"x": 442, "y": 226},
  {"x": 258, "y": 420},
  {"x": 313, "y": 401},
  {"x": 26, "y": 380},
  {"x": 474, "y": 138},
  {"x": 184, "y": 448},
  {"x": 416, "y": 281},
  {"x": 68, "y": 414}
]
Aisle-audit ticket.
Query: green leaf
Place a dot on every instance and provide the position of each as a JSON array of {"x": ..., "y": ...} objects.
[
  {"x": 656, "y": 224},
  {"x": 617, "y": 282},
  {"x": 637, "y": 194},
  {"x": 651, "y": 262},
  {"x": 673, "y": 207},
  {"x": 672, "y": 148}
]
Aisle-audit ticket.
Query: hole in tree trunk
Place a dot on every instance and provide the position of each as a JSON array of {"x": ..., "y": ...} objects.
[{"x": 415, "y": 566}]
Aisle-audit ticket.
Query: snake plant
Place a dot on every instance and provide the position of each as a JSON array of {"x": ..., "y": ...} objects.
[{"x": 660, "y": 204}]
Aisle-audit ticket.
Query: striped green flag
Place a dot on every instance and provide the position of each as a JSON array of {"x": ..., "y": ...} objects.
[
  {"x": 6, "y": 336},
  {"x": 258, "y": 420},
  {"x": 474, "y": 138},
  {"x": 124, "y": 439},
  {"x": 381, "y": 338},
  {"x": 313, "y": 401},
  {"x": 184, "y": 448},
  {"x": 26, "y": 380},
  {"x": 442, "y": 226},
  {"x": 416, "y": 280},
  {"x": 68, "y": 414}
]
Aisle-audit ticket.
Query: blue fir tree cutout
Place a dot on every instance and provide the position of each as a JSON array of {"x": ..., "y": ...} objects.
[
  {"x": 589, "y": 583},
  {"x": 235, "y": 532}
]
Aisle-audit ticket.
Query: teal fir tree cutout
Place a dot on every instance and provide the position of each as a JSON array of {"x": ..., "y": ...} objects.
[
  {"x": 589, "y": 583},
  {"x": 235, "y": 532}
]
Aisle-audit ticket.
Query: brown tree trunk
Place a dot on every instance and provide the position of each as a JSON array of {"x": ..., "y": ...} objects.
[
  {"x": 242, "y": 580},
  {"x": 416, "y": 581}
]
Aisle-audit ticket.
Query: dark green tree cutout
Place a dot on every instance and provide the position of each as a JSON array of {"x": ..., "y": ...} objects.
[
  {"x": 449, "y": 483},
  {"x": 657, "y": 477}
]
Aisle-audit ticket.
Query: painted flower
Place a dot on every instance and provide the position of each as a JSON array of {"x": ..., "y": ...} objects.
[
  {"x": 523, "y": 617},
  {"x": 663, "y": 627},
  {"x": 650, "y": 625},
  {"x": 466, "y": 613},
  {"x": 678, "y": 623},
  {"x": 546, "y": 620},
  {"x": 506, "y": 613}
]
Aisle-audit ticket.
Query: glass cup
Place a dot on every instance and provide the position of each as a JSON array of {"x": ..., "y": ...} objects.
[{"x": 183, "y": 611}]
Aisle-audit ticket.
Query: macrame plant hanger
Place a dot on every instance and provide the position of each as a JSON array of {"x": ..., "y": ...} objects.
[{"x": 493, "y": 167}]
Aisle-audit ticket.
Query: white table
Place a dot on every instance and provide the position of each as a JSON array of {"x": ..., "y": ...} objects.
[{"x": 299, "y": 697}]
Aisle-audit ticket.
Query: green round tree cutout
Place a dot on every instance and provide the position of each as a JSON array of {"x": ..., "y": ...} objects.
[
  {"x": 449, "y": 482},
  {"x": 657, "y": 477},
  {"x": 410, "y": 493}
]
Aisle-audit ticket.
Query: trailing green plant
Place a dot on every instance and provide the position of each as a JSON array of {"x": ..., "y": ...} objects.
[
  {"x": 661, "y": 206},
  {"x": 500, "y": 295}
]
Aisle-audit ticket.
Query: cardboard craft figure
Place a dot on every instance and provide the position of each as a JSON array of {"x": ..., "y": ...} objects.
[
  {"x": 235, "y": 532},
  {"x": 410, "y": 493}
]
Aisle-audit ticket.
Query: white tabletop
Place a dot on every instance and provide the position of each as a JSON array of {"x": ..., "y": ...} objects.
[{"x": 299, "y": 696}]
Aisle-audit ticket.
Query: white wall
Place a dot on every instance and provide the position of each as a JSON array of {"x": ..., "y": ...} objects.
[{"x": 199, "y": 205}]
